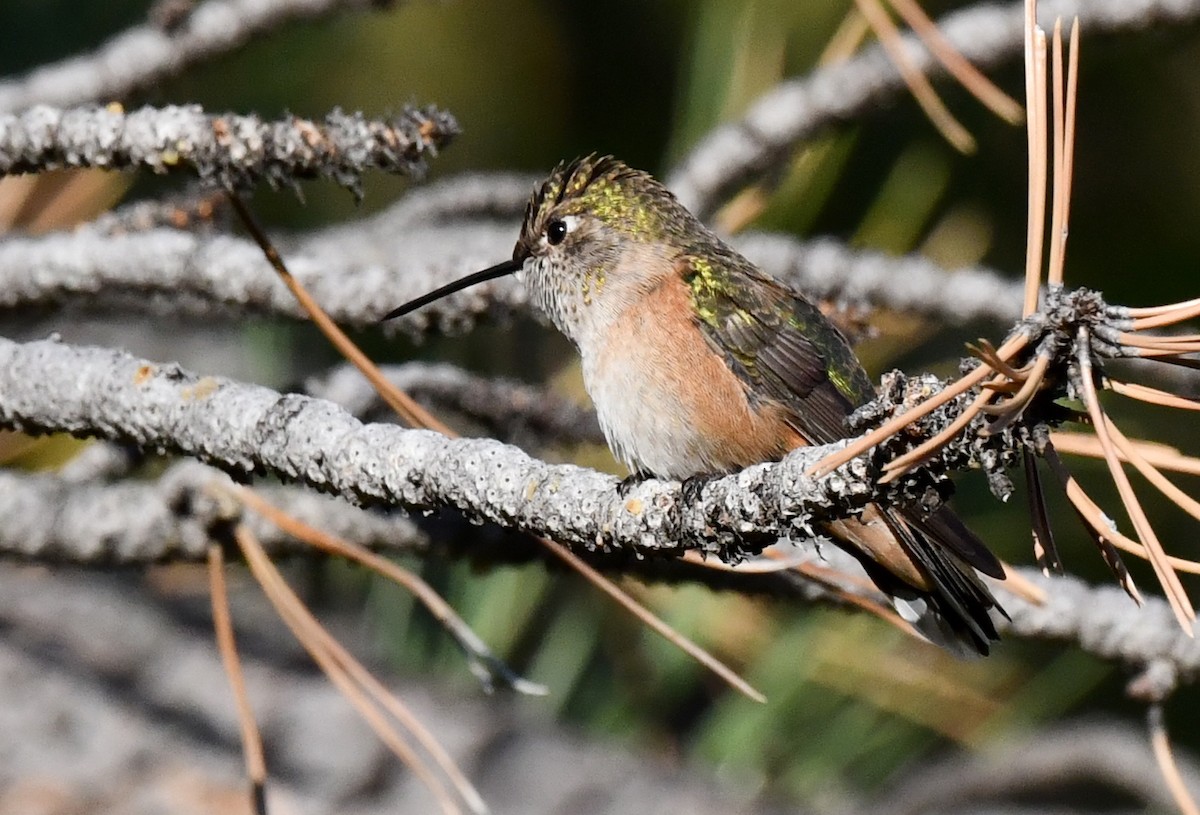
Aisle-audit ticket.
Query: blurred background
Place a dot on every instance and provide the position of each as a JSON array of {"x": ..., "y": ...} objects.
[{"x": 853, "y": 704}]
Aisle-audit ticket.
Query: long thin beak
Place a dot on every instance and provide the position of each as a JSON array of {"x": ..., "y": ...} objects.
[{"x": 499, "y": 270}]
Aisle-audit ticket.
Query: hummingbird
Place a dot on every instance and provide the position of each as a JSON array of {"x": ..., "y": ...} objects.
[{"x": 699, "y": 365}]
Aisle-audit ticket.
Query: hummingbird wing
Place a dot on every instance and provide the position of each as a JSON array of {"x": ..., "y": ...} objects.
[
  {"x": 778, "y": 342},
  {"x": 786, "y": 350}
]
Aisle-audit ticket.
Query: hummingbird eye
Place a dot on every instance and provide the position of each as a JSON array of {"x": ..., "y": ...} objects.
[{"x": 556, "y": 232}]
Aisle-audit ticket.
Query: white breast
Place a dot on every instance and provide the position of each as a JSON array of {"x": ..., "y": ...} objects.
[{"x": 643, "y": 418}]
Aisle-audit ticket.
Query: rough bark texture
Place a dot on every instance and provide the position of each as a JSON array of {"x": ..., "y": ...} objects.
[{"x": 233, "y": 151}]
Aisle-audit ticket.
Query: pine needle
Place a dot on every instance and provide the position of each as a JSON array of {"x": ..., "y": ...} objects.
[{"x": 252, "y": 746}]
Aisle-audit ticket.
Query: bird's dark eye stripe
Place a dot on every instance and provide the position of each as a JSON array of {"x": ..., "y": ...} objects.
[{"x": 556, "y": 231}]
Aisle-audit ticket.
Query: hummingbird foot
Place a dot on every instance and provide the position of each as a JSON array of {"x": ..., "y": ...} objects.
[
  {"x": 693, "y": 485},
  {"x": 626, "y": 484}
]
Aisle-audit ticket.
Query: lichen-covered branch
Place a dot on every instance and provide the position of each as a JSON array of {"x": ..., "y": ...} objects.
[
  {"x": 356, "y": 272},
  {"x": 828, "y": 268},
  {"x": 741, "y": 152},
  {"x": 50, "y": 519},
  {"x": 241, "y": 428},
  {"x": 229, "y": 149},
  {"x": 361, "y": 270},
  {"x": 148, "y": 53},
  {"x": 1105, "y": 622},
  {"x": 506, "y": 409},
  {"x": 49, "y": 386}
]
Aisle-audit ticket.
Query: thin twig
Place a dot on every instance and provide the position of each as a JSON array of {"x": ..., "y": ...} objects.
[
  {"x": 984, "y": 349},
  {"x": 654, "y": 622},
  {"x": 1063, "y": 148},
  {"x": 402, "y": 403},
  {"x": 1013, "y": 408},
  {"x": 1035, "y": 103},
  {"x": 1180, "y": 344},
  {"x": 252, "y": 746},
  {"x": 918, "y": 84},
  {"x": 1099, "y": 522},
  {"x": 1068, "y": 163},
  {"x": 896, "y": 423},
  {"x": 1153, "y": 396},
  {"x": 351, "y": 678},
  {"x": 1155, "y": 311},
  {"x": 1167, "y": 577},
  {"x": 484, "y": 663},
  {"x": 958, "y": 66},
  {"x": 1102, "y": 527},
  {"x": 1167, "y": 316},
  {"x": 1130, "y": 453},
  {"x": 1165, "y": 757}
]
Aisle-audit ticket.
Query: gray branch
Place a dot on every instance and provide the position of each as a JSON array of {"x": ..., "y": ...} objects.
[
  {"x": 53, "y": 519},
  {"x": 146, "y": 54},
  {"x": 1105, "y": 622},
  {"x": 245, "y": 429},
  {"x": 361, "y": 270},
  {"x": 50, "y": 519},
  {"x": 743, "y": 151},
  {"x": 827, "y": 268},
  {"x": 231, "y": 150},
  {"x": 101, "y": 461},
  {"x": 357, "y": 272},
  {"x": 241, "y": 428},
  {"x": 1089, "y": 755},
  {"x": 49, "y": 386},
  {"x": 505, "y": 409}
]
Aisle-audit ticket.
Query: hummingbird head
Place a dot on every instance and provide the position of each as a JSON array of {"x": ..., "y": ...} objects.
[{"x": 596, "y": 234}]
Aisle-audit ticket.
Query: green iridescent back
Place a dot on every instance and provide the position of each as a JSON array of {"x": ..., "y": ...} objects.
[{"x": 776, "y": 340}]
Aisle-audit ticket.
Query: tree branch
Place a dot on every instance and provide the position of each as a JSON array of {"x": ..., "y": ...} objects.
[
  {"x": 505, "y": 408},
  {"x": 146, "y": 54},
  {"x": 741, "y": 152},
  {"x": 49, "y": 519},
  {"x": 1105, "y": 622},
  {"x": 49, "y": 386},
  {"x": 231, "y": 150},
  {"x": 58, "y": 520},
  {"x": 827, "y": 268},
  {"x": 1087, "y": 754},
  {"x": 359, "y": 271}
]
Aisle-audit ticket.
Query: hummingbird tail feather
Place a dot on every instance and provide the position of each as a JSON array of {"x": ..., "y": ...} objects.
[
  {"x": 957, "y": 596},
  {"x": 927, "y": 565}
]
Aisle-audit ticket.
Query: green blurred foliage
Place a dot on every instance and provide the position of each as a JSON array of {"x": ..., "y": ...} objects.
[{"x": 852, "y": 702}]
